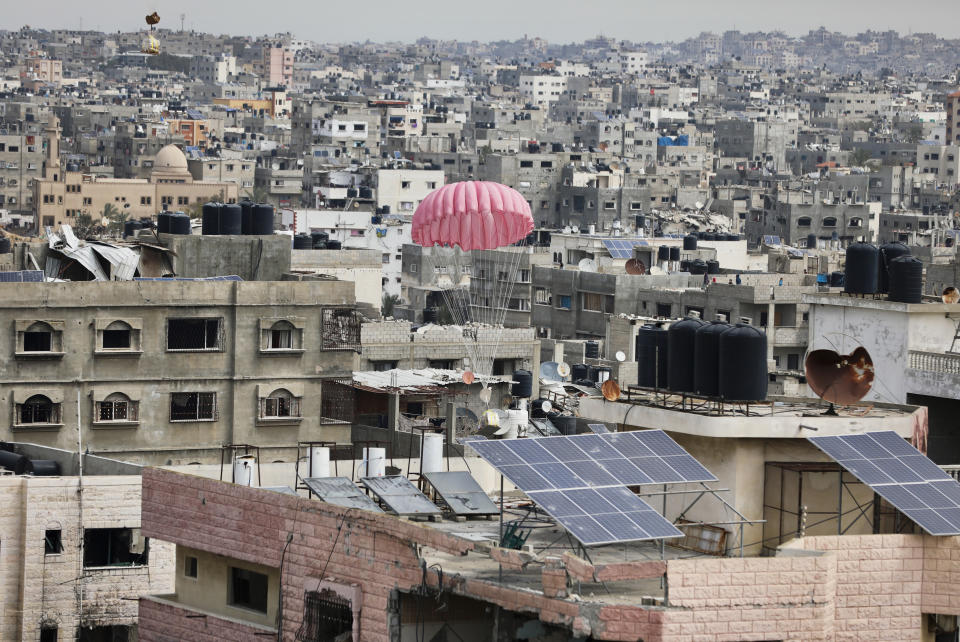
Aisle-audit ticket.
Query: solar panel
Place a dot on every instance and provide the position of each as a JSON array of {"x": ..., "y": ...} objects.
[
  {"x": 399, "y": 495},
  {"x": 900, "y": 474},
  {"x": 598, "y": 428},
  {"x": 22, "y": 276},
  {"x": 340, "y": 491},
  {"x": 622, "y": 248},
  {"x": 581, "y": 480},
  {"x": 461, "y": 492}
]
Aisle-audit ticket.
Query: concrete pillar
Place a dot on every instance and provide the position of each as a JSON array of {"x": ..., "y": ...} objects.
[
  {"x": 771, "y": 331},
  {"x": 393, "y": 422},
  {"x": 535, "y": 369},
  {"x": 451, "y": 430}
]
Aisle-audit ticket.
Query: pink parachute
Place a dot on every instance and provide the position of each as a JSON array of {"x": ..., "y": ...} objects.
[{"x": 474, "y": 215}]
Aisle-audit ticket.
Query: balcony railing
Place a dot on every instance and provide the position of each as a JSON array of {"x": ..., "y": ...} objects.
[
  {"x": 935, "y": 362},
  {"x": 953, "y": 470}
]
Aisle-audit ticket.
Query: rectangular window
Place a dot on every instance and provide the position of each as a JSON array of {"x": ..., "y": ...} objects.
[
  {"x": 564, "y": 302},
  {"x": 36, "y": 341},
  {"x": 281, "y": 339},
  {"x": 116, "y": 339},
  {"x": 592, "y": 302},
  {"x": 663, "y": 310},
  {"x": 49, "y": 633},
  {"x": 193, "y": 406},
  {"x": 248, "y": 589},
  {"x": 114, "y": 547},
  {"x": 193, "y": 334},
  {"x": 383, "y": 366},
  {"x": 52, "y": 544},
  {"x": 116, "y": 410},
  {"x": 541, "y": 296},
  {"x": 190, "y": 566}
]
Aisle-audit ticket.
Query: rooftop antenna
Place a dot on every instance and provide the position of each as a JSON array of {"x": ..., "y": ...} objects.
[{"x": 182, "y": 16}]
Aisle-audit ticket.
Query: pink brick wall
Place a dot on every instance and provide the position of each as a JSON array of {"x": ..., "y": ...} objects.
[{"x": 162, "y": 622}]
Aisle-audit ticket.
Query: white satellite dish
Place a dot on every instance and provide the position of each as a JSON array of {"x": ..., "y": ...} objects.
[
  {"x": 567, "y": 229},
  {"x": 587, "y": 265},
  {"x": 621, "y": 357},
  {"x": 546, "y": 406},
  {"x": 485, "y": 395},
  {"x": 698, "y": 205},
  {"x": 548, "y": 371},
  {"x": 575, "y": 230},
  {"x": 563, "y": 369},
  {"x": 657, "y": 270}
]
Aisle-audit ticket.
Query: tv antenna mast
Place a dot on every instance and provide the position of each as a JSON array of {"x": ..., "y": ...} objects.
[{"x": 182, "y": 16}]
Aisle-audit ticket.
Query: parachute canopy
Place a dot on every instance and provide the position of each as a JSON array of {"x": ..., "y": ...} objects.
[{"x": 473, "y": 215}]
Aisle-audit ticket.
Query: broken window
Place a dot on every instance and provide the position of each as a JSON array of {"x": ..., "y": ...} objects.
[
  {"x": 326, "y": 616},
  {"x": 52, "y": 543},
  {"x": 38, "y": 409},
  {"x": 193, "y": 406},
  {"x": 194, "y": 334},
  {"x": 114, "y": 547},
  {"x": 281, "y": 403},
  {"x": 116, "y": 407},
  {"x": 340, "y": 329},
  {"x": 248, "y": 589}
]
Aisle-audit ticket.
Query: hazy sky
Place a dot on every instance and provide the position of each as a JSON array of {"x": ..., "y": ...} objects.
[{"x": 558, "y": 21}]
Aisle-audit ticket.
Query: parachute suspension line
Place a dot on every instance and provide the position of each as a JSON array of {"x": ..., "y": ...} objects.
[{"x": 512, "y": 275}]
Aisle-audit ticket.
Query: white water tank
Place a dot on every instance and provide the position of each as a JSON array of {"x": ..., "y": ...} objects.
[
  {"x": 319, "y": 461},
  {"x": 243, "y": 470},
  {"x": 431, "y": 452},
  {"x": 374, "y": 462}
]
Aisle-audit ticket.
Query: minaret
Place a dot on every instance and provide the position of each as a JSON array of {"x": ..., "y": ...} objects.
[{"x": 51, "y": 166}]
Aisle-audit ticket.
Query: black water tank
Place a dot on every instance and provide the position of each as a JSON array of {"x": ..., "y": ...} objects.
[
  {"x": 651, "y": 355},
  {"x": 733, "y": 237},
  {"x": 579, "y": 371},
  {"x": 246, "y": 216},
  {"x": 743, "y": 364},
  {"x": 180, "y": 224},
  {"x": 38, "y": 467},
  {"x": 333, "y": 245},
  {"x": 706, "y": 372},
  {"x": 708, "y": 236},
  {"x": 685, "y": 265},
  {"x": 640, "y": 221},
  {"x": 566, "y": 424},
  {"x": 302, "y": 242},
  {"x": 812, "y": 241},
  {"x": 5, "y": 245},
  {"x": 430, "y": 315},
  {"x": 536, "y": 408},
  {"x": 887, "y": 253},
  {"x": 689, "y": 242},
  {"x": 600, "y": 374},
  {"x": 352, "y": 192},
  {"x": 713, "y": 267},
  {"x": 836, "y": 279},
  {"x": 682, "y": 353},
  {"x": 906, "y": 279},
  {"x": 261, "y": 220},
  {"x": 675, "y": 253},
  {"x": 861, "y": 274},
  {"x": 231, "y": 220},
  {"x": 211, "y": 219},
  {"x": 663, "y": 254},
  {"x": 366, "y": 192},
  {"x": 10, "y": 460},
  {"x": 163, "y": 223},
  {"x": 523, "y": 386},
  {"x": 698, "y": 266},
  {"x": 591, "y": 350},
  {"x": 385, "y": 210},
  {"x": 128, "y": 228}
]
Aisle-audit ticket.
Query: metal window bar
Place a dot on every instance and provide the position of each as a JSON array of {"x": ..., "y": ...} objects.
[
  {"x": 326, "y": 615},
  {"x": 193, "y": 406},
  {"x": 194, "y": 334},
  {"x": 340, "y": 329}
]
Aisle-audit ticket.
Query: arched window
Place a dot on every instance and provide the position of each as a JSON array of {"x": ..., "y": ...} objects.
[
  {"x": 830, "y": 221},
  {"x": 38, "y": 409},
  {"x": 281, "y": 336},
  {"x": 116, "y": 336},
  {"x": 116, "y": 407},
  {"x": 803, "y": 221},
  {"x": 280, "y": 404}
]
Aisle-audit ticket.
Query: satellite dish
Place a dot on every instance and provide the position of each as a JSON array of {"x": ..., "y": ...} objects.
[
  {"x": 563, "y": 369},
  {"x": 635, "y": 266},
  {"x": 587, "y": 265},
  {"x": 621, "y": 357},
  {"x": 575, "y": 230},
  {"x": 485, "y": 395},
  {"x": 614, "y": 166},
  {"x": 698, "y": 205},
  {"x": 467, "y": 377},
  {"x": 546, "y": 406},
  {"x": 950, "y": 295},
  {"x": 840, "y": 378},
  {"x": 657, "y": 270},
  {"x": 610, "y": 390},
  {"x": 567, "y": 230}
]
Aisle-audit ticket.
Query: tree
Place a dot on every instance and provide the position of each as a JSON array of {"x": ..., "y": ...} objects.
[
  {"x": 389, "y": 302},
  {"x": 83, "y": 225},
  {"x": 860, "y": 157},
  {"x": 116, "y": 218},
  {"x": 258, "y": 194}
]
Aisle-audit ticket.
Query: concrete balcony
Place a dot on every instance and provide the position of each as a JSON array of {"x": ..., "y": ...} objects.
[
  {"x": 933, "y": 373},
  {"x": 787, "y": 336}
]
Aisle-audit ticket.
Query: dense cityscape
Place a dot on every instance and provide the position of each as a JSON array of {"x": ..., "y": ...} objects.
[{"x": 480, "y": 341}]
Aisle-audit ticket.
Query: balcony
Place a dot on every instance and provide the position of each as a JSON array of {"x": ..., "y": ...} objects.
[
  {"x": 933, "y": 373},
  {"x": 787, "y": 336}
]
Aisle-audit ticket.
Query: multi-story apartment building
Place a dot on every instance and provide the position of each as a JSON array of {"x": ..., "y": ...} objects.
[
  {"x": 275, "y": 66},
  {"x": 229, "y": 362},
  {"x": 953, "y": 119},
  {"x": 21, "y": 163}
]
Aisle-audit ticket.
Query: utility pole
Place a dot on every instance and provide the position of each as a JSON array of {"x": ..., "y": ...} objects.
[{"x": 182, "y": 16}]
